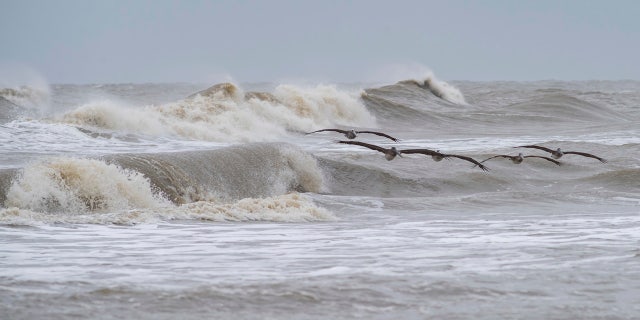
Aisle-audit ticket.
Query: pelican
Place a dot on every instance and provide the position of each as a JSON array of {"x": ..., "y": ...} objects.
[
  {"x": 557, "y": 154},
  {"x": 389, "y": 153},
  {"x": 437, "y": 156},
  {"x": 519, "y": 158},
  {"x": 351, "y": 134}
]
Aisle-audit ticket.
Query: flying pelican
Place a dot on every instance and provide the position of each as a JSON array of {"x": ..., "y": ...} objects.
[
  {"x": 389, "y": 153},
  {"x": 519, "y": 158},
  {"x": 351, "y": 134},
  {"x": 437, "y": 156},
  {"x": 557, "y": 154}
]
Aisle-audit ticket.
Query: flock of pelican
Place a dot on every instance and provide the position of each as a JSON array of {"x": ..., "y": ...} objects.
[{"x": 436, "y": 155}]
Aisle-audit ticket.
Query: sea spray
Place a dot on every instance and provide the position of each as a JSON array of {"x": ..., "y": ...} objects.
[
  {"x": 78, "y": 190},
  {"x": 75, "y": 185},
  {"x": 224, "y": 113},
  {"x": 440, "y": 89}
]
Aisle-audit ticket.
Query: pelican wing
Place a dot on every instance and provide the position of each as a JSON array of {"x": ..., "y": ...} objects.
[
  {"x": 366, "y": 145},
  {"x": 537, "y": 147},
  {"x": 484, "y": 168},
  {"x": 428, "y": 152},
  {"x": 586, "y": 155},
  {"x": 498, "y": 156},
  {"x": 379, "y": 134},
  {"x": 336, "y": 130},
  {"x": 546, "y": 158}
]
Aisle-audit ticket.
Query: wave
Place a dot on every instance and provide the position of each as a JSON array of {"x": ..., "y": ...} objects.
[
  {"x": 250, "y": 170},
  {"x": 80, "y": 185},
  {"x": 125, "y": 181},
  {"x": 389, "y": 111},
  {"x": 244, "y": 183},
  {"x": 625, "y": 180},
  {"x": 7, "y": 176},
  {"x": 407, "y": 102},
  {"x": 439, "y": 88},
  {"x": 564, "y": 107},
  {"x": 533, "y": 182},
  {"x": 422, "y": 179},
  {"x": 356, "y": 180},
  {"x": 419, "y": 176},
  {"x": 292, "y": 207},
  {"x": 8, "y": 110},
  {"x": 224, "y": 113},
  {"x": 26, "y": 96}
]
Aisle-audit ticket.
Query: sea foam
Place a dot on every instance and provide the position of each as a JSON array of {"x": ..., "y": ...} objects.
[{"x": 224, "y": 113}]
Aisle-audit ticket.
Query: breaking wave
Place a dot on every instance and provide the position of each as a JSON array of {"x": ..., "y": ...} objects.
[
  {"x": 79, "y": 185},
  {"x": 440, "y": 89},
  {"x": 248, "y": 183},
  {"x": 224, "y": 113},
  {"x": 292, "y": 207},
  {"x": 26, "y": 96}
]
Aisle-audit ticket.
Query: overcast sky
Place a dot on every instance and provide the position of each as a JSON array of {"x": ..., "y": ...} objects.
[{"x": 325, "y": 40}]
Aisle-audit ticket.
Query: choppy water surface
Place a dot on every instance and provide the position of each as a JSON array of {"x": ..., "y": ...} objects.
[{"x": 146, "y": 201}]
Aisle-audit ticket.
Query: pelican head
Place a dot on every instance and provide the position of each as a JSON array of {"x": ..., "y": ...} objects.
[
  {"x": 437, "y": 157},
  {"x": 557, "y": 154}
]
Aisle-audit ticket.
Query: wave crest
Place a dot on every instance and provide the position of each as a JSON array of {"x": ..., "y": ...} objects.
[
  {"x": 224, "y": 113},
  {"x": 69, "y": 190},
  {"x": 80, "y": 185},
  {"x": 440, "y": 89},
  {"x": 26, "y": 96}
]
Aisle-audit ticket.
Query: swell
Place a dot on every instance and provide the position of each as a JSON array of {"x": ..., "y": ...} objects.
[
  {"x": 408, "y": 102},
  {"x": 232, "y": 173},
  {"x": 623, "y": 180},
  {"x": 563, "y": 107},
  {"x": 388, "y": 111},
  {"x": 492, "y": 111},
  {"x": 438, "y": 88},
  {"x": 506, "y": 182},
  {"x": 420, "y": 176},
  {"x": 423, "y": 180}
]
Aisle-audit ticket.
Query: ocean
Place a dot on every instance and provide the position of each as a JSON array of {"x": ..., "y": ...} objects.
[{"x": 201, "y": 201}]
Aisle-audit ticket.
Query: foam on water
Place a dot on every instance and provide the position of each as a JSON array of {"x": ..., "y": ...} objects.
[
  {"x": 76, "y": 186},
  {"x": 292, "y": 207},
  {"x": 79, "y": 190},
  {"x": 225, "y": 113}
]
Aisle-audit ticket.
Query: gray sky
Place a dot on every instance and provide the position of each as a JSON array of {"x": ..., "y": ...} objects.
[{"x": 326, "y": 40}]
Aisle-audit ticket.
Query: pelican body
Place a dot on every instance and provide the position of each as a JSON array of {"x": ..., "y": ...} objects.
[{"x": 389, "y": 153}]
